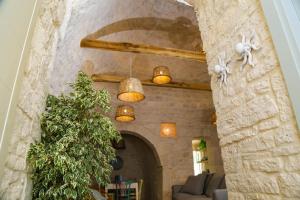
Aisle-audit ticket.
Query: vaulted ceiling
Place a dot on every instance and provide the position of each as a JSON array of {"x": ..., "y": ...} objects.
[{"x": 164, "y": 23}]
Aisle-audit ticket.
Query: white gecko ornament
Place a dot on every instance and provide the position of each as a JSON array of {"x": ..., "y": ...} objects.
[
  {"x": 244, "y": 49},
  {"x": 222, "y": 70}
]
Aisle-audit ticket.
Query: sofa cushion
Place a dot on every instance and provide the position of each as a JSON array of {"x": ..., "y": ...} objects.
[
  {"x": 207, "y": 180},
  {"x": 220, "y": 194},
  {"x": 185, "y": 196},
  {"x": 223, "y": 183},
  {"x": 213, "y": 184},
  {"x": 194, "y": 184}
]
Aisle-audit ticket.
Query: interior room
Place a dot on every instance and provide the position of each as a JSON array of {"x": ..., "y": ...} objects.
[
  {"x": 149, "y": 100},
  {"x": 166, "y": 24}
]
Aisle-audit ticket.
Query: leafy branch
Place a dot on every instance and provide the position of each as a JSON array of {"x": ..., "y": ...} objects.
[{"x": 75, "y": 145}]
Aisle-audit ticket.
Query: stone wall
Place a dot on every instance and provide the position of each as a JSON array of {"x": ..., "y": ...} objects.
[
  {"x": 215, "y": 162},
  {"x": 190, "y": 109},
  {"x": 51, "y": 64},
  {"x": 15, "y": 183},
  {"x": 258, "y": 133}
]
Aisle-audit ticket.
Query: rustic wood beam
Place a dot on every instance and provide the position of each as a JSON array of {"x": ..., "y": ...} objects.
[
  {"x": 142, "y": 48},
  {"x": 118, "y": 79}
]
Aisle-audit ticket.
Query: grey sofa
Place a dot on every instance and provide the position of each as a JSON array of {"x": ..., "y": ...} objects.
[{"x": 213, "y": 188}]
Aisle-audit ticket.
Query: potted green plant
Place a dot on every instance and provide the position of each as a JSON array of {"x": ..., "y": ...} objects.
[
  {"x": 75, "y": 144},
  {"x": 202, "y": 145}
]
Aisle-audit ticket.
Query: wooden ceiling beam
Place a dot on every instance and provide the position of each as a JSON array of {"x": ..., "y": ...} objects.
[
  {"x": 142, "y": 48},
  {"x": 181, "y": 85}
]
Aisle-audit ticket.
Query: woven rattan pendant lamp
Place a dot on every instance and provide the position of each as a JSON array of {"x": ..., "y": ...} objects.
[
  {"x": 125, "y": 114},
  {"x": 161, "y": 75},
  {"x": 131, "y": 89}
]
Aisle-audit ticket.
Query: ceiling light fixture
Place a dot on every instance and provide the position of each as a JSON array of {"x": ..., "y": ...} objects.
[
  {"x": 131, "y": 89},
  {"x": 125, "y": 114},
  {"x": 161, "y": 75}
]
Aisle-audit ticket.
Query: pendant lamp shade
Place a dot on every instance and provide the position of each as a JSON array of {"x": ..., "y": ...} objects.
[
  {"x": 131, "y": 90},
  {"x": 161, "y": 75},
  {"x": 125, "y": 114},
  {"x": 168, "y": 129}
]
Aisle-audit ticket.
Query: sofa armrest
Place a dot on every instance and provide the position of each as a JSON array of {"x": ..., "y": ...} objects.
[
  {"x": 176, "y": 189},
  {"x": 220, "y": 194}
]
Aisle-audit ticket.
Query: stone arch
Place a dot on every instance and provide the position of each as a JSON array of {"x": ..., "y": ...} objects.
[
  {"x": 146, "y": 141},
  {"x": 258, "y": 133},
  {"x": 151, "y": 171}
]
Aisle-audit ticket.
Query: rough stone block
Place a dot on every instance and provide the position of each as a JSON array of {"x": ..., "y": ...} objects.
[
  {"x": 235, "y": 196},
  {"x": 22, "y": 149},
  {"x": 252, "y": 183},
  {"x": 16, "y": 163},
  {"x": 286, "y": 134},
  {"x": 258, "y": 196},
  {"x": 264, "y": 165},
  {"x": 283, "y": 101},
  {"x": 258, "y": 143},
  {"x": 268, "y": 124},
  {"x": 289, "y": 184},
  {"x": 255, "y": 155},
  {"x": 250, "y": 94},
  {"x": 258, "y": 109},
  {"x": 14, "y": 192},
  {"x": 262, "y": 86},
  {"x": 238, "y": 136},
  {"x": 232, "y": 164},
  {"x": 292, "y": 163},
  {"x": 286, "y": 150},
  {"x": 277, "y": 81},
  {"x": 259, "y": 71}
]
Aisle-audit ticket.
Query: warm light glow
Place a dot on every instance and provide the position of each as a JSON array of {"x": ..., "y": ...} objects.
[
  {"x": 168, "y": 129},
  {"x": 125, "y": 114},
  {"x": 195, "y": 144},
  {"x": 161, "y": 79},
  {"x": 161, "y": 75},
  {"x": 131, "y": 96},
  {"x": 131, "y": 90},
  {"x": 214, "y": 118}
]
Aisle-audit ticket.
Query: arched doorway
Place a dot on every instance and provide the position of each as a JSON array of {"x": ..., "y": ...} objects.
[
  {"x": 256, "y": 123},
  {"x": 141, "y": 161}
]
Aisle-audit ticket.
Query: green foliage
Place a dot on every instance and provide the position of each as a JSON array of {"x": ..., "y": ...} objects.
[
  {"x": 75, "y": 144},
  {"x": 202, "y": 145}
]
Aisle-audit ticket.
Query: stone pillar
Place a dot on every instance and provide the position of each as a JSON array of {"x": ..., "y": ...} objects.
[
  {"x": 15, "y": 183},
  {"x": 257, "y": 129}
]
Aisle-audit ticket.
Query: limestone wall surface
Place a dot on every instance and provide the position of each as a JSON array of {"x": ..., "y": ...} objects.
[
  {"x": 191, "y": 110},
  {"x": 15, "y": 183},
  {"x": 258, "y": 133},
  {"x": 56, "y": 57}
]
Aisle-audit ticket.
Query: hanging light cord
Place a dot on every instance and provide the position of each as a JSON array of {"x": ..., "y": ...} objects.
[{"x": 130, "y": 68}]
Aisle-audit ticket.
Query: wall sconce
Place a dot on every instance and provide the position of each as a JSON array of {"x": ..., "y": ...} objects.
[
  {"x": 168, "y": 129},
  {"x": 214, "y": 118}
]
